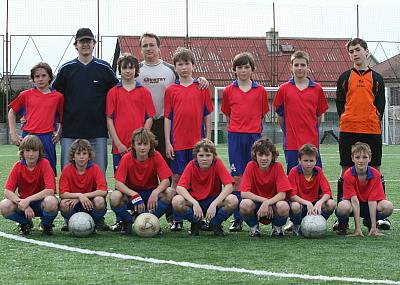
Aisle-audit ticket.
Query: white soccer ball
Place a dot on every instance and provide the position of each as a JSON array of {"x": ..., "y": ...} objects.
[
  {"x": 146, "y": 225},
  {"x": 313, "y": 226},
  {"x": 81, "y": 224}
]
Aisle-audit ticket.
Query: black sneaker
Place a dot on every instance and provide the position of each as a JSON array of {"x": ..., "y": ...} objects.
[
  {"x": 205, "y": 226},
  {"x": 342, "y": 229},
  {"x": 117, "y": 227},
  {"x": 218, "y": 230},
  {"x": 383, "y": 224},
  {"x": 194, "y": 229},
  {"x": 101, "y": 225},
  {"x": 24, "y": 229},
  {"x": 126, "y": 228},
  {"x": 176, "y": 226},
  {"x": 236, "y": 226},
  {"x": 47, "y": 229},
  {"x": 335, "y": 226}
]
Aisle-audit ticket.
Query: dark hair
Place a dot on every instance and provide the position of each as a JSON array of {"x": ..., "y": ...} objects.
[
  {"x": 128, "y": 60},
  {"x": 149, "y": 35},
  {"x": 264, "y": 146},
  {"x": 80, "y": 145},
  {"x": 243, "y": 59},
  {"x": 31, "y": 142},
  {"x": 361, "y": 147},
  {"x": 145, "y": 136},
  {"x": 45, "y": 66},
  {"x": 308, "y": 149},
  {"x": 183, "y": 54},
  {"x": 300, "y": 55},
  {"x": 205, "y": 144},
  {"x": 356, "y": 41}
]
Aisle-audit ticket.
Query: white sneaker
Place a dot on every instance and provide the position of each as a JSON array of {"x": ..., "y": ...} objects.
[
  {"x": 255, "y": 231},
  {"x": 277, "y": 231},
  {"x": 383, "y": 224},
  {"x": 297, "y": 230}
]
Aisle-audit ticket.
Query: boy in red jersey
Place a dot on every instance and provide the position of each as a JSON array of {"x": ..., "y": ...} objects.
[
  {"x": 35, "y": 181},
  {"x": 311, "y": 194},
  {"x": 141, "y": 181},
  {"x": 244, "y": 103},
  {"x": 129, "y": 107},
  {"x": 199, "y": 190},
  {"x": 263, "y": 190},
  {"x": 83, "y": 187},
  {"x": 187, "y": 112},
  {"x": 363, "y": 194},
  {"x": 42, "y": 109},
  {"x": 300, "y": 104}
]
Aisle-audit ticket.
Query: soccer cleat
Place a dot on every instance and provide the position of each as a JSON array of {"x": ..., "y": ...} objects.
[
  {"x": 176, "y": 226},
  {"x": 126, "y": 228},
  {"x": 101, "y": 225},
  {"x": 342, "y": 229},
  {"x": 277, "y": 231},
  {"x": 236, "y": 226},
  {"x": 383, "y": 224},
  {"x": 297, "y": 230},
  {"x": 24, "y": 229},
  {"x": 288, "y": 227},
  {"x": 47, "y": 229},
  {"x": 117, "y": 227},
  {"x": 335, "y": 226},
  {"x": 255, "y": 231},
  {"x": 205, "y": 226},
  {"x": 194, "y": 229},
  {"x": 218, "y": 230}
]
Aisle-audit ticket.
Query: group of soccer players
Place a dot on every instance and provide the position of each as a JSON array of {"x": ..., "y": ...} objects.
[{"x": 195, "y": 185}]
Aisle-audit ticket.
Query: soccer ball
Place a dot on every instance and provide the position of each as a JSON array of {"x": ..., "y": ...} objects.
[
  {"x": 81, "y": 224},
  {"x": 313, "y": 226},
  {"x": 146, "y": 225}
]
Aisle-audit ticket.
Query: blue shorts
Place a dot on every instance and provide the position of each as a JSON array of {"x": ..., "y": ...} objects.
[
  {"x": 116, "y": 160},
  {"x": 37, "y": 207},
  {"x": 145, "y": 194},
  {"x": 49, "y": 148},
  {"x": 239, "y": 150},
  {"x": 182, "y": 158},
  {"x": 292, "y": 159}
]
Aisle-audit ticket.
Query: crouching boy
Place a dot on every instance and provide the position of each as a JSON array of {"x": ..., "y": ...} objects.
[
  {"x": 200, "y": 192},
  {"x": 363, "y": 194},
  {"x": 263, "y": 190},
  {"x": 311, "y": 194},
  {"x": 33, "y": 178}
]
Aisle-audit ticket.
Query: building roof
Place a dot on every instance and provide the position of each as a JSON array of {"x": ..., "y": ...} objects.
[{"x": 389, "y": 69}]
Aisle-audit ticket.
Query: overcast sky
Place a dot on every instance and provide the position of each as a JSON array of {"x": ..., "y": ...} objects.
[{"x": 379, "y": 21}]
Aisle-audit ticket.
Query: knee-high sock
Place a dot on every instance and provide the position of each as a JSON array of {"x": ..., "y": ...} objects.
[
  {"x": 220, "y": 216},
  {"x": 18, "y": 217},
  {"x": 279, "y": 221},
  {"x": 342, "y": 219},
  {"x": 122, "y": 213},
  {"x": 97, "y": 215},
  {"x": 162, "y": 208},
  {"x": 187, "y": 215},
  {"x": 251, "y": 220},
  {"x": 296, "y": 218},
  {"x": 48, "y": 217},
  {"x": 325, "y": 214}
]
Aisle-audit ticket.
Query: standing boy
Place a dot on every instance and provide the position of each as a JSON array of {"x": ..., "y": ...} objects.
[
  {"x": 83, "y": 186},
  {"x": 360, "y": 103},
  {"x": 363, "y": 194},
  {"x": 129, "y": 107},
  {"x": 199, "y": 190},
  {"x": 311, "y": 194},
  {"x": 34, "y": 180},
  {"x": 299, "y": 103},
  {"x": 244, "y": 103},
  {"x": 84, "y": 82}
]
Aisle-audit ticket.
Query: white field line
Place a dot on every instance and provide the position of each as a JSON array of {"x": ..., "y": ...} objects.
[{"x": 199, "y": 266}]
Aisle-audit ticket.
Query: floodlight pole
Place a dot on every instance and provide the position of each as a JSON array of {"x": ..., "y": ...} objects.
[
  {"x": 187, "y": 24},
  {"x": 358, "y": 24},
  {"x": 7, "y": 78},
  {"x": 98, "y": 29}
]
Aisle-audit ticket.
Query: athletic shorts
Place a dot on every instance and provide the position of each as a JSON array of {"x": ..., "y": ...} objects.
[
  {"x": 144, "y": 194},
  {"x": 346, "y": 140},
  {"x": 182, "y": 158},
  {"x": 239, "y": 150}
]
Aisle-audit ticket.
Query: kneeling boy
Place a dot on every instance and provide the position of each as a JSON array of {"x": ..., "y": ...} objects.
[
  {"x": 311, "y": 194},
  {"x": 141, "y": 181},
  {"x": 363, "y": 194},
  {"x": 200, "y": 192},
  {"x": 83, "y": 187},
  {"x": 35, "y": 181},
  {"x": 263, "y": 189}
]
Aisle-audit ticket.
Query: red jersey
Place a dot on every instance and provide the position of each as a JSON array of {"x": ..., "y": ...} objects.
[
  {"x": 369, "y": 190},
  {"x": 204, "y": 183},
  {"x": 142, "y": 175},
  {"x": 73, "y": 182},
  {"x": 264, "y": 183},
  {"x": 186, "y": 107},
  {"x": 300, "y": 110},
  {"x": 312, "y": 190},
  {"x": 129, "y": 111},
  {"x": 245, "y": 110},
  {"x": 41, "y": 110},
  {"x": 30, "y": 182}
]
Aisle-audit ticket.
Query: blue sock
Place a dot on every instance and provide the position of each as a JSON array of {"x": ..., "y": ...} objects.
[
  {"x": 380, "y": 216},
  {"x": 220, "y": 216},
  {"x": 279, "y": 221},
  {"x": 296, "y": 218},
  {"x": 68, "y": 215},
  {"x": 237, "y": 216},
  {"x": 188, "y": 215},
  {"x": 176, "y": 217},
  {"x": 18, "y": 217},
  {"x": 251, "y": 221},
  {"x": 48, "y": 217},
  {"x": 342, "y": 219},
  {"x": 162, "y": 208},
  {"x": 325, "y": 214},
  {"x": 97, "y": 215},
  {"x": 122, "y": 213}
]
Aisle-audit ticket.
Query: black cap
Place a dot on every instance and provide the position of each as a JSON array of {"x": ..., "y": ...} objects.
[{"x": 84, "y": 33}]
